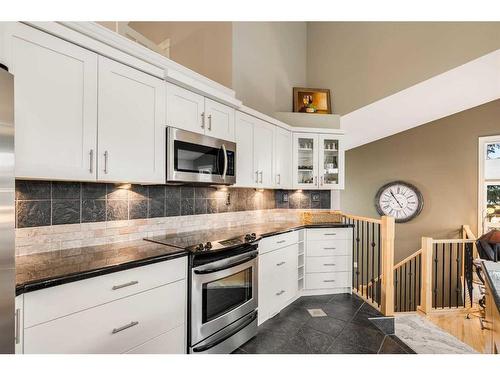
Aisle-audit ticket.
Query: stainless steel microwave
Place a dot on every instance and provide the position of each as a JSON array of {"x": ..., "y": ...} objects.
[{"x": 193, "y": 157}]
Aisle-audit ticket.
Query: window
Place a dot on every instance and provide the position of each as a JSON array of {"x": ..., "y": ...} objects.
[{"x": 489, "y": 184}]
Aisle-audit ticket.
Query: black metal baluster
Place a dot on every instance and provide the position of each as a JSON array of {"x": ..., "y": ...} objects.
[
  {"x": 449, "y": 276},
  {"x": 357, "y": 255},
  {"x": 379, "y": 291},
  {"x": 419, "y": 279},
  {"x": 457, "y": 287},
  {"x": 410, "y": 300},
  {"x": 400, "y": 288},
  {"x": 373, "y": 261},
  {"x": 442, "y": 277},
  {"x": 435, "y": 274},
  {"x": 396, "y": 307},
  {"x": 362, "y": 258}
]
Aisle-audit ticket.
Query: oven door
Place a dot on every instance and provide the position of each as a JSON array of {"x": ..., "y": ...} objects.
[
  {"x": 193, "y": 157},
  {"x": 222, "y": 292}
]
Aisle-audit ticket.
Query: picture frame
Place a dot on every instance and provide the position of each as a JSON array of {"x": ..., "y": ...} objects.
[{"x": 312, "y": 100}]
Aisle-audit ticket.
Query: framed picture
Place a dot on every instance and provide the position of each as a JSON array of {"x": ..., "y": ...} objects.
[{"x": 309, "y": 100}]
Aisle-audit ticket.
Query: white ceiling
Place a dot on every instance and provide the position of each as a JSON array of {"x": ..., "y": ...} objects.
[{"x": 469, "y": 85}]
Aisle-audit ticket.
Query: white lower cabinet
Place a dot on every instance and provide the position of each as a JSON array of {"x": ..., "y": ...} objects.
[
  {"x": 150, "y": 317},
  {"x": 278, "y": 276}
]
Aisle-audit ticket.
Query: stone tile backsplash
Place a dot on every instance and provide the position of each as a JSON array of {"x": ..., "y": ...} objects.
[{"x": 44, "y": 203}]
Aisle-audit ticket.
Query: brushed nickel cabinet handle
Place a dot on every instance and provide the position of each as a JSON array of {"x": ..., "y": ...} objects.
[
  {"x": 328, "y": 281},
  {"x": 315, "y": 180},
  {"x": 321, "y": 179},
  {"x": 261, "y": 173},
  {"x": 329, "y": 248},
  {"x": 329, "y": 264},
  {"x": 280, "y": 263},
  {"x": 126, "y": 326},
  {"x": 329, "y": 234},
  {"x": 279, "y": 179},
  {"x": 17, "y": 333},
  {"x": 257, "y": 177},
  {"x": 282, "y": 241},
  {"x": 203, "y": 120},
  {"x": 91, "y": 157},
  {"x": 280, "y": 292},
  {"x": 209, "y": 122},
  {"x": 130, "y": 283},
  {"x": 105, "y": 162}
]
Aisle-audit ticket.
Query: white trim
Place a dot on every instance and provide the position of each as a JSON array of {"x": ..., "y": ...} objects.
[
  {"x": 467, "y": 86},
  {"x": 482, "y": 182}
]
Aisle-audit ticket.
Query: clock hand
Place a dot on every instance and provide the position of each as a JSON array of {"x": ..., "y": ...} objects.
[{"x": 395, "y": 198}]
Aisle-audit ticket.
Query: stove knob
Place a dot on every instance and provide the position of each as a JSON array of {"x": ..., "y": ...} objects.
[
  {"x": 200, "y": 247},
  {"x": 254, "y": 236},
  {"x": 208, "y": 245},
  {"x": 248, "y": 237}
]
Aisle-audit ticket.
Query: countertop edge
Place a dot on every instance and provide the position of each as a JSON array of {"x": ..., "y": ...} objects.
[
  {"x": 78, "y": 276},
  {"x": 496, "y": 292}
]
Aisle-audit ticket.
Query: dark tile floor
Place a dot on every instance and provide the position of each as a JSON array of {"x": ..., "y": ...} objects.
[{"x": 345, "y": 330}]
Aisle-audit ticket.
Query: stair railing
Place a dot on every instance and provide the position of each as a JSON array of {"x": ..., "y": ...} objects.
[{"x": 373, "y": 260}]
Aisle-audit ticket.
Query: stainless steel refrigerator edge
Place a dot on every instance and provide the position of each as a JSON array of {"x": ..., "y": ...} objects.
[{"x": 7, "y": 213}]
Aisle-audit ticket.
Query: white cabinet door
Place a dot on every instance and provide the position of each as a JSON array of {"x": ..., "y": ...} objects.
[
  {"x": 330, "y": 162},
  {"x": 263, "y": 148},
  {"x": 305, "y": 161},
  {"x": 55, "y": 105},
  {"x": 185, "y": 109},
  {"x": 283, "y": 159},
  {"x": 246, "y": 172},
  {"x": 131, "y": 117},
  {"x": 19, "y": 304},
  {"x": 219, "y": 121}
]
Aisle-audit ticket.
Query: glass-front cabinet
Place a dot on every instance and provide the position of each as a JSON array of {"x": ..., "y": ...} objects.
[{"x": 318, "y": 161}]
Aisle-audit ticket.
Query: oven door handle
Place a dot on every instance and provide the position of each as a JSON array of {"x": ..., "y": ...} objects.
[
  {"x": 245, "y": 322},
  {"x": 225, "y": 267},
  {"x": 224, "y": 171}
]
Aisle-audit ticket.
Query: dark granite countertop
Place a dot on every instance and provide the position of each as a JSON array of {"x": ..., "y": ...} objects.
[
  {"x": 186, "y": 239},
  {"x": 43, "y": 270},
  {"x": 492, "y": 271}
]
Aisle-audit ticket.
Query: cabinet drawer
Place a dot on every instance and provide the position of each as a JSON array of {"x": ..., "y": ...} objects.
[
  {"x": 276, "y": 242},
  {"x": 172, "y": 342},
  {"x": 51, "y": 303},
  {"x": 115, "y": 327},
  {"x": 328, "y": 248},
  {"x": 328, "y": 264},
  {"x": 328, "y": 280},
  {"x": 329, "y": 233}
]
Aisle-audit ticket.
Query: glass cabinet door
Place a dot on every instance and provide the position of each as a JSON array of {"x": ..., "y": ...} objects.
[
  {"x": 330, "y": 161},
  {"x": 305, "y": 165}
]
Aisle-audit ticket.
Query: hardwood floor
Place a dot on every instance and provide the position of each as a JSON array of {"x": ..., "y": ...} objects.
[{"x": 466, "y": 330}]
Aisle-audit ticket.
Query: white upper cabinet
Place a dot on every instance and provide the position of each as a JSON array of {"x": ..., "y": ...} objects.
[
  {"x": 305, "y": 160},
  {"x": 190, "y": 111},
  {"x": 245, "y": 171},
  {"x": 318, "y": 161},
  {"x": 283, "y": 158},
  {"x": 219, "y": 120},
  {"x": 331, "y": 162},
  {"x": 263, "y": 147},
  {"x": 185, "y": 109},
  {"x": 55, "y": 105},
  {"x": 131, "y": 118},
  {"x": 254, "y": 152}
]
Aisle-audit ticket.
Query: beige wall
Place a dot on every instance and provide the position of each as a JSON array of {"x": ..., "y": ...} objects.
[
  {"x": 362, "y": 62},
  {"x": 204, "y": 47},
  {"x": 269, "y": 59},
  {"x": 440, "y": 158}
]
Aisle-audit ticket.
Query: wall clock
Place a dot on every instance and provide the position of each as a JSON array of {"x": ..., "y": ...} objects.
[{"x": 399, "y": 199}]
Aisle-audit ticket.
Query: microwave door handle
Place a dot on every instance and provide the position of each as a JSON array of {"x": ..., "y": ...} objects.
[{"x": 224, "y": 171}]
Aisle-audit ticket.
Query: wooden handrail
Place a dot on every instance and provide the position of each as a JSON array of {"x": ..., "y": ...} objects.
[
  {"x": 363, "y": 218},
  {"x": 454, "y": 240},
  {"x": 408, "y": 258},
  {"x": 467, "y": 233}
]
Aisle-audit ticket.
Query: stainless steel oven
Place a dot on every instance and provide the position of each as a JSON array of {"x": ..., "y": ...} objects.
[
  {"x": 224, "y": 303},
  {"x": 193, "y": 157}
]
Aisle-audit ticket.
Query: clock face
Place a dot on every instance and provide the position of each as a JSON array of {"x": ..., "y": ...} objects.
[{"x": 399, "y": 199}]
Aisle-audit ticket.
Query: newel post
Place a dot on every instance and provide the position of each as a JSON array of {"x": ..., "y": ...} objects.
[
  {"x": 387, "y": 240},
  {"x": 426, "y": 292}
]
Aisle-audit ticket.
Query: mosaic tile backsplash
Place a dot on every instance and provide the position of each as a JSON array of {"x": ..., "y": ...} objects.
[{"x": 42, "y": 203}]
